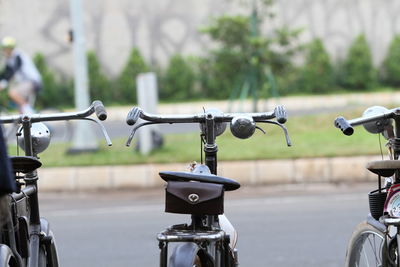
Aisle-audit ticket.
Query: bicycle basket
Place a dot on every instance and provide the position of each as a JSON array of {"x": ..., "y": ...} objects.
[{"x": 376, "y": 203}]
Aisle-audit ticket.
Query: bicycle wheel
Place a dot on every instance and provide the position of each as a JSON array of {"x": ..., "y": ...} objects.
[{"x": 365, "y": 247}]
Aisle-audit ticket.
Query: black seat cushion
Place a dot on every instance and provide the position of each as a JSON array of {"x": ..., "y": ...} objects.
[
  {"x": 229, "y": 184},
  {"x": 385, "y": 168},
  {"x": 25, "y": 164}
]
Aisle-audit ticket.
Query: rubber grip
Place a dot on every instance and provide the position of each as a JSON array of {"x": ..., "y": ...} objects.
[
  {"x": 101, "y": 112},
  {"x": 280, "y": 114},
  {"x": 133, "y": 116},
  {"x": 344, "y": 125}
]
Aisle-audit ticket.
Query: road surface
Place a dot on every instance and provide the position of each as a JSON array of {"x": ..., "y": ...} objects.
[{"x": 278, "y": 226}]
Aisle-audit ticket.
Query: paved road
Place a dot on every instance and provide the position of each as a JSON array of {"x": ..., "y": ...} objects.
[{"x": 278, "y": 226}]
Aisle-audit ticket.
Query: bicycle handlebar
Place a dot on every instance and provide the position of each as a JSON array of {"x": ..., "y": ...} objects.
[
  {"x": 96, "y": 107},
  {"x": 100, "y": 110},
  {"x": 133, "y": 116},
  {"x": 346, "y": 125},
  {"x": 135, "y": 113},
  {"x": 280, "y": 114}
]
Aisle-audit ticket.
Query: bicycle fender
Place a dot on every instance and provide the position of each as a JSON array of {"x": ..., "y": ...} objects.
[
  {"x": 376, "y": 224},
  {"x": 49, "y": 243},
  {"x": 44, "y": 226},
  {"x": 5, "y": 255},
  {"x": 184, "y": 255}
]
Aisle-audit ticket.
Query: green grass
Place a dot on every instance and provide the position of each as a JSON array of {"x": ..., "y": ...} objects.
[{"x": 312, "y": 136}]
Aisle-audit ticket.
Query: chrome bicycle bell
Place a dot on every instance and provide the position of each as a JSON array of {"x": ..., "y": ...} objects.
[
  {"x": 40, "y": 137},
  {"x": 219, "y": 127},
  {"x": 243, "y": 126},
  {"x": 379, "y": 125}
]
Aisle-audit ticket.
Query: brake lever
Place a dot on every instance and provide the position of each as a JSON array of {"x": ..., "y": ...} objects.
[
  {"x": 103, "y": 129},
  {"x": 136, "y": 127},
  {"x": 288, "y": 142}
]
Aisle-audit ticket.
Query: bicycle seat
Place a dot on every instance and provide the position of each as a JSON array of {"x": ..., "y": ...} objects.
[
  {"x": 385, "y": 168},
  {"x": 25, "y": 164},
  {"x": 229, "y": 184}
]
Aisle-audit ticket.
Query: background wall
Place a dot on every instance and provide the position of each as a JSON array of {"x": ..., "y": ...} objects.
[{"x": 164, "y": 27}]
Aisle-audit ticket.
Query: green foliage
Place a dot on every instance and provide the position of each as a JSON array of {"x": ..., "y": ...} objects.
[
  {"x": 289, "y": 82},
  {"x": 358, "y": 71},
  {"x": 391, "y": 64},
  {"x": 178, "y": 81},
  {"x": 244, "y": 52},
  {"x": 317, "y": 75},
  {"x": 125, "y": 88},
  {"x": 100, "y": 86},
  {"x": 56, "y": 91},
  {"x": 220, "y": 71},
  {"x": 231, "y": 31}
]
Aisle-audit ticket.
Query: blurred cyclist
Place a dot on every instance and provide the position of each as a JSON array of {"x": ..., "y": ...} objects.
[{"x": 20, "y": 75}]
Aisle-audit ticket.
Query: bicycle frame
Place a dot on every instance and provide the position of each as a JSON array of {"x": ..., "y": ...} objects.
[
  {"x": 214, "y": 241},
  {"x": 381, "y": 124},
  {"x": 37, "y": 229}
]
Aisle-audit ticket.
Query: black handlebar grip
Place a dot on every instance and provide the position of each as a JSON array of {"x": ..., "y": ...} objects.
[
  {"x": 133, "y": 116},
  {"x": 280, "y": 114},
  {"x": 344, "y": 125},
  {"x": 101, "y": 112}
]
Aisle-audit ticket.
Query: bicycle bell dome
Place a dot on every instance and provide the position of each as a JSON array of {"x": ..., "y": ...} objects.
[
  {"x": 379, "y": 125},
  {"x": 243, "y": 126},
  {"x": 40, "y": 137}
]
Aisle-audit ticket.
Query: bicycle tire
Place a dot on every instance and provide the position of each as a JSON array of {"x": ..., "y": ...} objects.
[
  {"x": 48, "y": 256},
  {"x": 365, "y": 246},
  {"x": 189, "y": 255}
]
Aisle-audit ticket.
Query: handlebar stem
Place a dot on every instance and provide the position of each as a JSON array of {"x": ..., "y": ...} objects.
[
  {"x": 26, "y": 126},
  {"x": 210, "y": 148}
]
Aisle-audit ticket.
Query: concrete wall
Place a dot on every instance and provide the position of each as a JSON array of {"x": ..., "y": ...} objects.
[{"x": 164, "y": 27}]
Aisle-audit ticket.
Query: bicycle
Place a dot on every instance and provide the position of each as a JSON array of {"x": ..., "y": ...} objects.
[
  {"x": 210, "y": 239},
  {"x": 375, "y": 241},
  {"x": 26, "y": 239},
  {"x": 9, "y": 130}
]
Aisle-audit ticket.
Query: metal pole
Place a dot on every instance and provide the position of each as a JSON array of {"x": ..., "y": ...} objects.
[{"x": 83, "y": 138}]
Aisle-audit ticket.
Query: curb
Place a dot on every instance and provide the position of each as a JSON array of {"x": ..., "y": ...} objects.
[{"x": 257, "y": 172}]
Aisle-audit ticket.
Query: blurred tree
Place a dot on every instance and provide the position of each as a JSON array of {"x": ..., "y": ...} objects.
[
  {"x": 358, "y": 71},
  {"x": 56, "y": 91},
  {"x": 178, "y": 81},
  {"x": 390, "y": 69},
  {"x": 317, "y": 75},
  {"x": 100, "y": 86},
  {"x": 241, "y": 48},
  {"x": 125, "y": 89}
]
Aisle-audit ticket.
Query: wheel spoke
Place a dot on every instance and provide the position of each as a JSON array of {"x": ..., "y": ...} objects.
[
  {"x": 367, "y": 250},
  {"x": 373, "y": 245}
]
